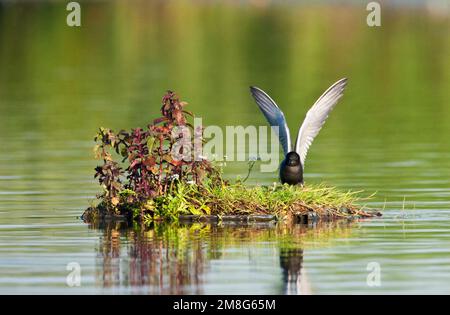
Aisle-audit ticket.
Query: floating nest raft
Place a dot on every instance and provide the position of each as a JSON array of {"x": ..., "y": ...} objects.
[
  {"x": 241, "y": 204},
  {"x": 143, "y": 181}
]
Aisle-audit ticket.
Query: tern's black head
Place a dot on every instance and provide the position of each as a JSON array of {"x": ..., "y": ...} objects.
[{"x": 292, "y": 159}]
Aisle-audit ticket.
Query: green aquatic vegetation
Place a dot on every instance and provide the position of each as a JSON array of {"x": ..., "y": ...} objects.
[
  {"x": 142, "y": 181},
  {"x": 280, "y": 201}
]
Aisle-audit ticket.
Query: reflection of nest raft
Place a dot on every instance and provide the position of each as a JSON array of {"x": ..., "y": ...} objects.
[{"x": 173, "y": 258}]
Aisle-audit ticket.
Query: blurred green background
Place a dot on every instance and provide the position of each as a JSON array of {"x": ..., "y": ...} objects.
[
  {"x": 389, "y": 133},
  {"x": 58, "y": 84}
]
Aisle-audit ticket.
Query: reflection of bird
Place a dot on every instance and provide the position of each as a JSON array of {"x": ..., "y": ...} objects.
[
  {"x": 294, "y": 278},
  {"x": 291, "y": 168}
]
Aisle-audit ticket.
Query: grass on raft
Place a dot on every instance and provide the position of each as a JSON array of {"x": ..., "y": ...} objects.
[
  {"x": 281, "y": 200},
  {"x": 239, "y": 199}
]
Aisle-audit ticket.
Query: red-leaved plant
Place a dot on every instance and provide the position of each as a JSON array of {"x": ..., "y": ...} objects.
[{"x": 148, "y": 168}]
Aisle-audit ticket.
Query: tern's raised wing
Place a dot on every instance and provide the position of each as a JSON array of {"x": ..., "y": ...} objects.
[
  {"x": 274, "y": 116},
  {"x": 316, "y": 116}
]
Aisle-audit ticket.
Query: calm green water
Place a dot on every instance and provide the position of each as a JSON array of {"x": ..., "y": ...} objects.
[{"x": 389, "y": 134}]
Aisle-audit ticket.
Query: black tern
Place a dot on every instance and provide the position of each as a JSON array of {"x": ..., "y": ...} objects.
[{"x": 292, "y": 167}]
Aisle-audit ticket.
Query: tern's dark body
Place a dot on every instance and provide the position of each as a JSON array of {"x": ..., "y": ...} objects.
[{"x": 291, "y": 170}]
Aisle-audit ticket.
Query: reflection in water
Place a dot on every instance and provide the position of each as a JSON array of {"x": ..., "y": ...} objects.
[
  {"x": 291, "y": 261},
  {"x": 174, "y": 258},
  {"x": 143, "y": 258}
]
